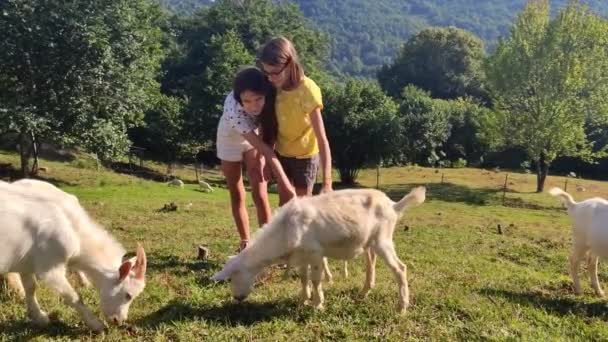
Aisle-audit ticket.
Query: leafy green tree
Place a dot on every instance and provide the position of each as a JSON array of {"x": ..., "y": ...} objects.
[
  {"x": 425, "y": 125},
  {"x": 362, "y": 126},
  {"x": 549, "y": 78},
  {"x": 463, "y": 141},
  {"x": 444, "y": 61},
  {"x": 207, "y": 90},
  {"x": 72, "y": 68},
  {"x": 164, "y": 132}
]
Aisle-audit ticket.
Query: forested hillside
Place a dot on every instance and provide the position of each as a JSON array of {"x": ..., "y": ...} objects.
[{"x": 365, "y": 34}]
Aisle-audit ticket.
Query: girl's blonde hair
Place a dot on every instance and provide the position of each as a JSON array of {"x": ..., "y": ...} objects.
[{"x": 280, "y": 51}]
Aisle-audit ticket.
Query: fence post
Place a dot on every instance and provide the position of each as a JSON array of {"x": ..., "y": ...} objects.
[
  {"x": 504, "y": 189},
  {"x": 378, "y": 176}
]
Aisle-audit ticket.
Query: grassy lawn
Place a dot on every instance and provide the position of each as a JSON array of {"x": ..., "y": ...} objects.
[{"x": 467, "y": 281}]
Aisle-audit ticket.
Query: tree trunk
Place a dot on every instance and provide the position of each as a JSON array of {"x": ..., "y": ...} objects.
[
  {"x": 348, "y": 176},
  {"x": 34, "y": 151},
  {"x": 542, "y": 169},
  {"x": 24, "y": 153}
]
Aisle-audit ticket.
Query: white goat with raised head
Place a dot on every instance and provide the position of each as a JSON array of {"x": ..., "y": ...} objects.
[
  {"x": 340, "y": 224},
  {"x": 589, "y": 236},
  {"x": 43, "y": 234}
]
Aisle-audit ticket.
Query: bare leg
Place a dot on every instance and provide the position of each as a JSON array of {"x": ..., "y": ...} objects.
[
  {"x": 259, "y": 187},
  {"x": 234, "y": 179}
]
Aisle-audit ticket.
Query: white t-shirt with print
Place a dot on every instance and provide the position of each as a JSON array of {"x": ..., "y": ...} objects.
[
  {"x": 236, "y": 116},
  {"x": 233, "y": 124}
]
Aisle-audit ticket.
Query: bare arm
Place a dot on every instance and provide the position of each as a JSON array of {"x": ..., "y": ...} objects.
[
  {"x": 324, "y": 151},
  {"x": 272, "y": 159}
]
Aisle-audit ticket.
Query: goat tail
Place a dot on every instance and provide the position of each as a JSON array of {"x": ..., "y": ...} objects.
[
  {"x": 564, "y": 196},
  {"x": 414, "y": 198}
]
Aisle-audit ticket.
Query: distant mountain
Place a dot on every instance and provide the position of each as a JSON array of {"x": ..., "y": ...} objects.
[{"x": 367, "y": 33}]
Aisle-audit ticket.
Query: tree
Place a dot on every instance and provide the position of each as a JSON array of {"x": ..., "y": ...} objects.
[
  {"x": 425, "y": 125},
  {"x": 362, "y": 126},
  {"x": 443, "y": 61},
  {"x": 548, "y": 78},
  {"x": 165, "y": 131},
  {"x": 73, "y": 68},
  {"x": 208, "y": 89},
  {"x": 464, "y": 119}
]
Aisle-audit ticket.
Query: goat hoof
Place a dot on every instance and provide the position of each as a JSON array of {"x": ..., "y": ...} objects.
[
  {"x": 41, "y": 320},
  {"x": 97, "y": 326},
  {"x": 402, "y": 308},
  {"x": 363, "y": 294},
  {"x": 318, "y": 307}
]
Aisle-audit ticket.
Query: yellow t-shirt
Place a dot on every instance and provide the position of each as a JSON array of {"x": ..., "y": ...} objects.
[{"x": 296, "y": 138}]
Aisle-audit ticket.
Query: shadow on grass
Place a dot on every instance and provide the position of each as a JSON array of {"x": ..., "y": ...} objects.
[
  {"x": 228, "y": 314},
  {"x": 138, "y": 171},
  {"x": 11, "y": 174},
  {"x": 24, "y": 330},
  {"x": 449, "y": 192},
  {"x": 557, "y": 306},
  {"x": 177, "y": 266}
]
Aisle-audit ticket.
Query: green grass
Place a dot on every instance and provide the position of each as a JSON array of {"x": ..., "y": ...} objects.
[{"x": 467, "y": 282}]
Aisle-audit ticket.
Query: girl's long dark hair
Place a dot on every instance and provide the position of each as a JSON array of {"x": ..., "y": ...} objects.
[
  {"x": 268, "y": 119},
  {"x": 254, "y": 80}
]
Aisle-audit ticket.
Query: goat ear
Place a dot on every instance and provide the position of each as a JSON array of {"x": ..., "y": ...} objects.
[
  {"x": 124, "y": 270},
  {"x": 140, "y": 263}
]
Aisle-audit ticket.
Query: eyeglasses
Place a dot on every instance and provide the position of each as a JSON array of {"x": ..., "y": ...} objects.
[{"x": 277, "y": 73}]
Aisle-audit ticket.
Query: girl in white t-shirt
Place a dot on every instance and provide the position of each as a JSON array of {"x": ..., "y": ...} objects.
[{"x": 245, "y": 135}]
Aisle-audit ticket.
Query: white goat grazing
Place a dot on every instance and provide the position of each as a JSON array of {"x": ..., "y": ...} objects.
[
  {"x": 341, "y": 225},
  {"x": 589, "y": 235},
  {"x": 43, "y": 233},
  {"x": 205, "y": 186},
  {"x": 14, "y": 281},
  {"x": 176, "y": 182}
]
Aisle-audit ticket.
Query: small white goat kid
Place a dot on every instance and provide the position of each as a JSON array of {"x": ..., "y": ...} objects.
[
  {"x": 589, "y": 235},
  {"x": 43, "y": 234},
  {"x": 205, "y": 186},
  {"x": 176, "y": 182},
  {"x": 341, "y": 225}
]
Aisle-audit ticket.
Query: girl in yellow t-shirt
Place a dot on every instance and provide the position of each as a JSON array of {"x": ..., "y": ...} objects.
[{"x": 301, "y": 142}]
